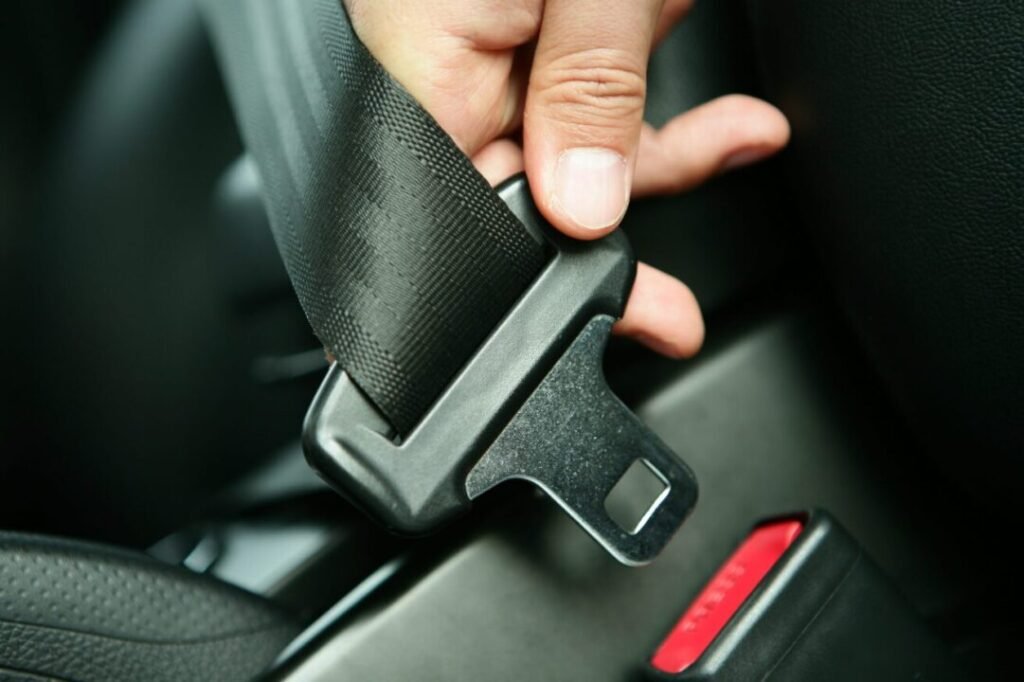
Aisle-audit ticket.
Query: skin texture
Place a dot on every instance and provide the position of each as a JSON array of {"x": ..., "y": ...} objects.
[{"x": 557, "y": 88}]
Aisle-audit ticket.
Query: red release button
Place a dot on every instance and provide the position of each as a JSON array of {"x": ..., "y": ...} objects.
[{"x": 724, "y": 595}]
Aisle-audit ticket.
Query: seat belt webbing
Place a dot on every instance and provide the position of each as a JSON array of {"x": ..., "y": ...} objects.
[{"x": 401, "y": 255}]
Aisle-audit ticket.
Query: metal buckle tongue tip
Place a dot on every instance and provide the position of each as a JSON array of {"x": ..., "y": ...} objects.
[{"x": 531, "y": 404}]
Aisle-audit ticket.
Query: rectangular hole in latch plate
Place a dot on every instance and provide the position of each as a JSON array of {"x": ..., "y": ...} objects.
[{"x": 636, "y": 495}]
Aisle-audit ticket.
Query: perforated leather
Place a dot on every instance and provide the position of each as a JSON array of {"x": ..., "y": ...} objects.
[{"x": 75, "y": 610}]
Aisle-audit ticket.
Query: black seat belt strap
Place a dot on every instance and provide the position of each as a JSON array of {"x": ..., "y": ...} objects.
[{"x": 401, "y": 255}]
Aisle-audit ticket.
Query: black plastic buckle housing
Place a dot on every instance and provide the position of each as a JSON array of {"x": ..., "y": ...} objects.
[{"x": 532, "y": 404}]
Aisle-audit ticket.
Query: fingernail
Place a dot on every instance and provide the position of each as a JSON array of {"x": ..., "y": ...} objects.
[
  {"x": 744, "y": 158},
  {"x": 591, "y": 187}
]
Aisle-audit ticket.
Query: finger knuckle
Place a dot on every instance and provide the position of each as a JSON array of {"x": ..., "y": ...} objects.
[{"x": 600, "y": 88}]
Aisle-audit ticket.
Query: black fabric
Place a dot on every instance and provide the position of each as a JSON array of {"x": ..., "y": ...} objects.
[
  {"x": 401, "y": 255},
  {"x": 74, "y": 610},
  {"x": 907, "y": 152}
]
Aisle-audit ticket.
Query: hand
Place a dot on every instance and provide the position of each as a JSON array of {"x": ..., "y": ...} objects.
[{"x": 570, "y": 75}]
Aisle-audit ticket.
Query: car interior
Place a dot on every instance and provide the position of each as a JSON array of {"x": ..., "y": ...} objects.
[{"x": 854, "y": 422}]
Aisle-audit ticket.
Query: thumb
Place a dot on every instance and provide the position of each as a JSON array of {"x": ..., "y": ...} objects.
[{"x": 584, "y": 110}]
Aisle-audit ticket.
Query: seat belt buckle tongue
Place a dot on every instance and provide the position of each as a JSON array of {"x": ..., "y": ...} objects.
[{"x": 532, "y": 403}]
